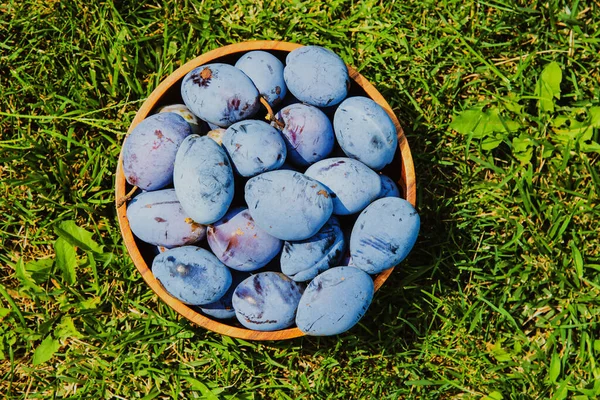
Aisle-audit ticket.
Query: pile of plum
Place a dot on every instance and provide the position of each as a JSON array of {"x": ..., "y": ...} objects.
[{"x": 295, "y": 215}]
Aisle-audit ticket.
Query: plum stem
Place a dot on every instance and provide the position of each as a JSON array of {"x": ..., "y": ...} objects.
[
  {"x": 125, "y": 198},
  {"x": 270, "y": 114}
]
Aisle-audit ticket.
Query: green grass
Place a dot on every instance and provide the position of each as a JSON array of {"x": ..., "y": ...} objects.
[{"x": 500, "y": 297}]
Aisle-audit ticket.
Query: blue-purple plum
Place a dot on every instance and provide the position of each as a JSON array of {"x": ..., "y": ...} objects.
[
  {"x": 266, "y": 71},
  {"x": 287, "y": 204},
  {"x": 266, "y": 301},
  {"x": 254, "y": 147},
  {"x": 223, "y": 308},
  {"x": 192, "y": 274},
  {"x": 149, "y": 150},
  {"x": 365, "y": 132},
  {"x": 220, "y": 94},
  {"x": 305, "y": 259},
  {"x": 383, "y": 234},
  {"x": 352, "y": 185},
  {"x": 317, "y": 76},
  {"x": 203, "y": 179},
  {"x": 307, "y": 132},
  {"x": 334, "y": 301},
  {"x": 388, "y": 187},
  {"x": 198, "y": 126},
  {"x": 239, "y": 243},
  {"x": 158, "y": 218}
]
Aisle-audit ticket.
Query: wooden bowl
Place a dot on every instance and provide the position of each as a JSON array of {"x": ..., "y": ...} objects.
[{"x": 168, "y": 92}]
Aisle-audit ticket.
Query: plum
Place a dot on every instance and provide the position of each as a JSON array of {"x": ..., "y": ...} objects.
[
  {"x": 307, "y": 132},
  {"x": 317, "y": 76},
  {"x": 223, "y": 308},
  {"x": 287, "y": 204},
  {"x": 266, "y": 72},
  {"x": 388, "y": 187},
  {"x": 305, "y": 259},
  {"x": 198, "y": 126},
  {"x": 192, "y": 274},
  {"x": 239, "y": 243},
  {"x": 365, "y": 132},
  {"x": 383, "y": 234},
  {"x": 334, "y": 301},
  {"x": 220, "y": 94},
  {"x": 203, "y": 179},
  {"x": 352, "y": 184},
  {"x": 266, "y": 301},
  {"x": 149, "y": 150},
  {"x": 158, "y": 218},
  {"x": 254, "y": 147}
]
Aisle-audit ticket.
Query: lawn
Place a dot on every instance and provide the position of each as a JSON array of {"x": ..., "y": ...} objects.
[{"x": 500, "y": 102}]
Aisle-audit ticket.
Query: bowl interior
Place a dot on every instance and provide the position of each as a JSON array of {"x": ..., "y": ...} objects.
[{"x": 169, "y": 92}]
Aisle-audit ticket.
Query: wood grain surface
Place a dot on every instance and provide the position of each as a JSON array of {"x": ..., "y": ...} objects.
[{"x": 406, "y": 183}]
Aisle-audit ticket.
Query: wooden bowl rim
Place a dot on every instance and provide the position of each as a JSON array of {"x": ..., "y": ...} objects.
[{"x": 407, "y": 184}]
